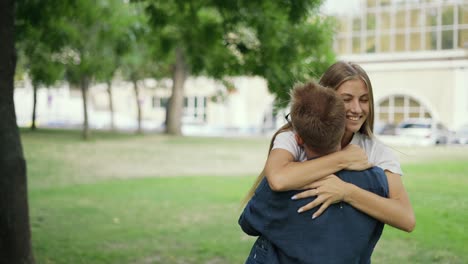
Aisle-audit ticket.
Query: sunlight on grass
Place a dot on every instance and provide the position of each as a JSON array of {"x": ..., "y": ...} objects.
[{"x": 123, "y": 156}]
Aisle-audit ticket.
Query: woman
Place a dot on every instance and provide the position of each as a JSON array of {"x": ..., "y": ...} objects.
[
  {"x": 286, "y": 169},
  {"x": 284, "y": 236}
]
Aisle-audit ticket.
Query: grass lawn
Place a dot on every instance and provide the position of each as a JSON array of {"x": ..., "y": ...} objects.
[{"x": 121, "y": 198}]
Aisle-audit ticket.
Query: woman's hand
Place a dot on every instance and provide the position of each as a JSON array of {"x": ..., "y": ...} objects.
[
  {"x": 329, "y": 190},
  {"x": 355, "y": 158}
]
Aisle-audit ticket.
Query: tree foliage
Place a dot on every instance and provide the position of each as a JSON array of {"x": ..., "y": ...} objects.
[
  {"x": 87, "y": 38},
  {"x": 283, "y": 41}
]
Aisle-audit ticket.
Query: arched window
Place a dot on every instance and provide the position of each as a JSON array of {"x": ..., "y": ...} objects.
[{"x": 396, "y": 108}]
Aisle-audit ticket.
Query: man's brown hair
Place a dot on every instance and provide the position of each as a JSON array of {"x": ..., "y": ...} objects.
[{"x": 318, "y": 117}]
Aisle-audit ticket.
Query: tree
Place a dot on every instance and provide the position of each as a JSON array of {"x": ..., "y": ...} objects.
[
  {"x": 90, "y": 39},
  {"x": 87, "y": 27},
  {"x": 15, "y": 234},
  {"x": 83, "y": 50},
  {"x": 38, "y": 38},
  {"x": 141, "y": 59},
  {"x": 43, "y": 71},
  {"x": 283, "y": 41},
  {"x": 118, "y": 42}
]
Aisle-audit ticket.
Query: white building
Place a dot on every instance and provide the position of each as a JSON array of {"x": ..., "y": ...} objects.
[
  {"x": 209, "y": 109},
  {"x": 416, "y": 55}
]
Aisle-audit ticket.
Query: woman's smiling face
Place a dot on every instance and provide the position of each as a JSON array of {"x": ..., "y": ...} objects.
[{"x": 355, "y": 96}]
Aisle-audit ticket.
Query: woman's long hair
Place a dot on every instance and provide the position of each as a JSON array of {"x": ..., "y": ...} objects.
[{"x": 284, "y": 128}]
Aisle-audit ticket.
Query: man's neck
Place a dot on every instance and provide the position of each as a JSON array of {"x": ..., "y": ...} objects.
[{"x": 310, "y": 154}]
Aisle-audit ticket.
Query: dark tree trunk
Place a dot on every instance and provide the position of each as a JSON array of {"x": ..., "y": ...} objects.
[
  {"x": 84, "y": 92},
  {"x": 138, "y": 104},
  {"x": 111, "y": 105},
  {"x": 15, "y": 234},
  {"x": 33, "y": 121},
  {"x": 176, "y": 101}
]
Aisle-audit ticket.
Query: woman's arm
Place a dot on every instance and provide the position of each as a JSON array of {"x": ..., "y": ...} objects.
[
  {"x": 395, "y": 210},
  {"x": 284, "y": 174}
]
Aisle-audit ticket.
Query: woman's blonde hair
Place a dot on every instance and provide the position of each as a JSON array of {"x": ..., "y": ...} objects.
[
  {"x": 341, "y": 72},
  {"x": 251, "y": 192},
  {"x": 334, "y": 77}
]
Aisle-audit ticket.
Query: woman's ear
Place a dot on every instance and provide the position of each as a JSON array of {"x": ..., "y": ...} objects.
[{"x": 299, "y": 140}]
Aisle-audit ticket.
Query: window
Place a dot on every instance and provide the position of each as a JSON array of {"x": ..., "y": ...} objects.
[
  {"x": 357, "y": 24},
  {"x": 447, "y": 39},
  {"x": 159, "y": 102},
  {"x": 448, "y": 17},
  {"x": 195, "y": 109},
  {"x": 398, "y": 26},
  {"x": 397, "y": 108},
  {"x": 415, "y": 41},
  {"x": 370, "y": 21},
  {"x": 370, "y": 47},
  {"x": 400, "y": 44},
  {"x": 463, "y": 38},
  {"x": 385, "y": 43},
  {"x": 342, "y": 45},
  {"x": 356, "y": 45}
]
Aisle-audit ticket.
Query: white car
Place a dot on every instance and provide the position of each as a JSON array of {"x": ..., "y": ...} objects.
[
  {"x": 461, "y": 135},
  {"x": 423, "y": 131}
]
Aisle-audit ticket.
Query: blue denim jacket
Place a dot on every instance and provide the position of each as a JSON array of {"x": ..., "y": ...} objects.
[{"x": 342, "y": 234}]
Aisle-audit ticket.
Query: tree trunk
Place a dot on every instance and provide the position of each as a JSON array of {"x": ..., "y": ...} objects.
[
  {"x": 84, "y": 92},
  {"x": 175, "y": 104},
  {"x": 111, "y": 105},
  {"x": 33, "y": 120},
  {"x": 15, "y": 234},
  {"x": 138, "y": 104}
]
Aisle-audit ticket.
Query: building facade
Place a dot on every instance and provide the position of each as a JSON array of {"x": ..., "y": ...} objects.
[
  {"x": 416, "y": 55},
  {"x": 209, "y": 108}
]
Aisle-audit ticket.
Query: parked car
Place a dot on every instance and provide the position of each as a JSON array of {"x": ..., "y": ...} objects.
[
  {"x": 384, "y": 129},
  {"x": 423, "y": 131},
  {"x": 461, "y": 135}
]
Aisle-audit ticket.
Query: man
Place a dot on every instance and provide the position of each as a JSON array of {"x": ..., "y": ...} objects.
[{"x": 341, "y": 234}]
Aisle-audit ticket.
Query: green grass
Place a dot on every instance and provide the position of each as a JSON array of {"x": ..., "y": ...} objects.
[
  {"x": 438, "y": 194},
  {"x": 121, "y": 198},
  {"x": 166, "y": 220}
]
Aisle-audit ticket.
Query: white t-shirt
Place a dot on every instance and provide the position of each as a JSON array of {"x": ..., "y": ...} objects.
[{"x": 378, "y": 154}]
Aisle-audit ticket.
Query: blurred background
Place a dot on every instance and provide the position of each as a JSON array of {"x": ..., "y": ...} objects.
[
  {"x": 415, "y": 52},
  {"x": 130, "y": 111}
]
